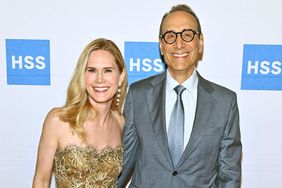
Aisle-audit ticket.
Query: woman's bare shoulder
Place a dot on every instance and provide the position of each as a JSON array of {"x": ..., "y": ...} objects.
[
  {"x": 120, "y": 119},
  {"x": 53, "y": 120}
]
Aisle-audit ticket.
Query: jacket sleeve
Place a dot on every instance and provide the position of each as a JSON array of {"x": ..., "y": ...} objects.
[
  {"x": 229, "y": 169},
  {"x": 130, "y": 141}
]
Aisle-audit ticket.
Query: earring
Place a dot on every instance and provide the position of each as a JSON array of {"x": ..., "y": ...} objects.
[{"x": 118, "y": 95}]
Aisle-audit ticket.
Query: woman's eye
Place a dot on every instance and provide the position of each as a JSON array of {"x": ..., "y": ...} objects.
[
  {"x": 91, "y": 70},
  {"x": 108, "y": 70}
]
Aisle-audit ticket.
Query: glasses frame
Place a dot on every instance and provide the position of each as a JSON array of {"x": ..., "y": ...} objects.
[{"x": 162, "y": 36}]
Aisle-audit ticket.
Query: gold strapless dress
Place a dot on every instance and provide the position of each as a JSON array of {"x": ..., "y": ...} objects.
[{"x": 77, "y": 167}]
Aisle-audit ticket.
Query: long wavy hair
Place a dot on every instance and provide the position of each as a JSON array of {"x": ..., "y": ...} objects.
[{"x": 77, "y": 108}]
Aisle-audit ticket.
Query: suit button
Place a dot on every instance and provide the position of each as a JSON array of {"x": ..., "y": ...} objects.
[{"x": 174, "y": 173}]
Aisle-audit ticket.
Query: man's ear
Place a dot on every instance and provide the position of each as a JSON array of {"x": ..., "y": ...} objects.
[
  {"x": 201, "y": 43},
  {"x": 161, "y": 47}
]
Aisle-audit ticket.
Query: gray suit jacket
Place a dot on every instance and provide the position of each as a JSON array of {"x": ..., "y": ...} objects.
[{"x": 212, "y": 157}]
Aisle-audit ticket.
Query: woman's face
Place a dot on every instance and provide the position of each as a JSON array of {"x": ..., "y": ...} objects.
[{"x": 102, "y": 77}]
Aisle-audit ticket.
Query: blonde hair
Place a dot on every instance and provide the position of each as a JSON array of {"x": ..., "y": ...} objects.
[{"x": 77, "y": 108}]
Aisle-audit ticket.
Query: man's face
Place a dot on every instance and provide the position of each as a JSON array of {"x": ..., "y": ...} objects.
[{"x": 181, "y": 57}]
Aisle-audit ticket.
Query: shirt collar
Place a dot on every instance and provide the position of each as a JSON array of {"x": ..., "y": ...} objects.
[{"x": 190, "y": 84}]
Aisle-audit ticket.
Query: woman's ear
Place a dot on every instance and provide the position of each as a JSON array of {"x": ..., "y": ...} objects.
[{"x": 121, "y": 77}]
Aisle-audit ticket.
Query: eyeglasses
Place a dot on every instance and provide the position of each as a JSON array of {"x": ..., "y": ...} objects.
[{"x": 187, "y": 35}]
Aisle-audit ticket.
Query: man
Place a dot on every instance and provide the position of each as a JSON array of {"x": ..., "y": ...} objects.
[{"x": 189, "y": 139}]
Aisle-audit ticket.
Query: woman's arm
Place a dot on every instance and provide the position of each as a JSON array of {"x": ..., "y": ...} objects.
[{"x": 46, "y": 151}]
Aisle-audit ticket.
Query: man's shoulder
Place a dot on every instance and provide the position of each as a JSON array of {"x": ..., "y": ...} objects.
[
  {"x": 215, "y": 88},
  {"x": 148, "y": 82}
]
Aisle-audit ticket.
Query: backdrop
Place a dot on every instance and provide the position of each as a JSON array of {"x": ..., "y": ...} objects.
[{"x": 40, "y": 42}]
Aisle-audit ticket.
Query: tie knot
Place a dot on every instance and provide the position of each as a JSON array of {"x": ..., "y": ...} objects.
[{"x": 179, "y": 89}]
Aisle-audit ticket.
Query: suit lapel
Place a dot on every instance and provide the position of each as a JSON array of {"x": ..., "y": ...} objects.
[
  {"x": 156, "y": 104},
  {"x": 203, "y": 109}
]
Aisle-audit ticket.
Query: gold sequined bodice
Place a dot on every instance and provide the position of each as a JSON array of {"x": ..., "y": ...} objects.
[{"x": 77, "y": 167}]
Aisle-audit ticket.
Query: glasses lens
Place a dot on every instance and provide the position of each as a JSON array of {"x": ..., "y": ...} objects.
[
  {"x": 170, "y": 37},
  {"x": 187, "y": 35}
]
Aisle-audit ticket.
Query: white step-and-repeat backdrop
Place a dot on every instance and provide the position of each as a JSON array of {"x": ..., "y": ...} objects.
[{"x": 40, "y": 42}]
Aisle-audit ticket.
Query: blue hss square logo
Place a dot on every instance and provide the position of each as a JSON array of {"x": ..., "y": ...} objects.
[
  {"x": 262, "y": 66},
  {"x": 28, "y": 62},
  {"x": 142, "y": 60}
]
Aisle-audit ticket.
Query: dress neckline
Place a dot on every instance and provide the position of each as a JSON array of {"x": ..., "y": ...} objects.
[{"x": 91, "y": 148}]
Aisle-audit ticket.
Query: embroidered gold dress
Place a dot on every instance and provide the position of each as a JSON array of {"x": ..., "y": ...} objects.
[{"x": 77, "y": 167}]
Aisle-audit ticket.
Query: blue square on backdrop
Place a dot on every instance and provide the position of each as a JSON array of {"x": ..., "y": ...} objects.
[
  {"x": 28, "y": 62},
  {"x": 142, "y": 60},
  {"x": 262, "y": 67}
]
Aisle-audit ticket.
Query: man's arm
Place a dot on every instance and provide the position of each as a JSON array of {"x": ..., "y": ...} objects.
[
  {"x": 229, "y": 173},
  {"x": 130, "y": 141}
]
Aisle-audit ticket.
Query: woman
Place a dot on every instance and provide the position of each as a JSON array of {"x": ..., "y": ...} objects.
[{"x": 81, "y": 141}]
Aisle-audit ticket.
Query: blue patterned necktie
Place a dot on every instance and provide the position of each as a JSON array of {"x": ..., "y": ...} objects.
[{"x": 176, "y": 127}]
